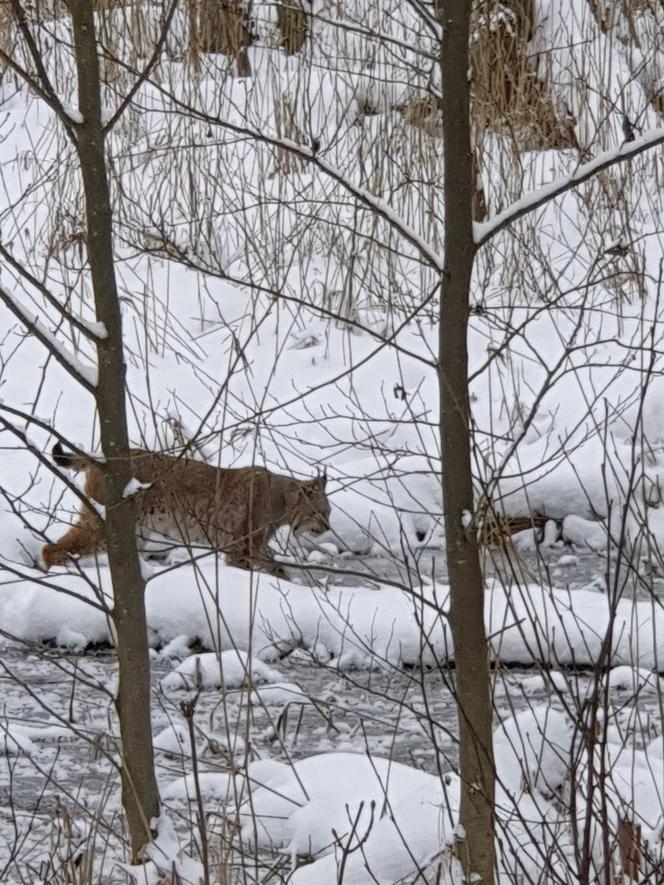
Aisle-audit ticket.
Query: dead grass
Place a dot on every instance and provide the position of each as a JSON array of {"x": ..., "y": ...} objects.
[{"x": 509, "y": 98}]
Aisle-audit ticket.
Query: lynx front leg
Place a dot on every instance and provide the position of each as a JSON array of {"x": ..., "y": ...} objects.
[
  {"x": 270, "y": 565},
  {"x": 83, "y": 539},
  {"x": 262, "y": 561}
]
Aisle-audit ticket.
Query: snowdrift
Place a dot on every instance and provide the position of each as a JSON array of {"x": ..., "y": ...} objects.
[{"x": 354, "y": 627}]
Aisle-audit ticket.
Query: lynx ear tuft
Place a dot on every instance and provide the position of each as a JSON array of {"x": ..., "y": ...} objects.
[{"x": 61, "y": 458}]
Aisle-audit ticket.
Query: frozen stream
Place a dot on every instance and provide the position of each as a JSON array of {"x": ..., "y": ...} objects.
[{"x": 62, "y": 792}]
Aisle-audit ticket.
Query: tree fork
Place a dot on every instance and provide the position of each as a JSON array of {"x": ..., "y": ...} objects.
[
  {"x": 476, "y": 850},
  {"x": 140, "y": 796}
]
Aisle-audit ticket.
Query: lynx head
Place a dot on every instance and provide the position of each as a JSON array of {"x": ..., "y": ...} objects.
[{"x": 312, "y": 510}]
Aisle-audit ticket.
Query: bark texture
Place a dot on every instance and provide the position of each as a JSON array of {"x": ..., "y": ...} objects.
[
  {"x": 476, "y": 851},
  {"x": 140, "y": 795}
]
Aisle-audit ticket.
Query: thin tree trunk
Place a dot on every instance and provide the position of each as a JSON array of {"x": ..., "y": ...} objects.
[
  {"x": 476, "y": 850},
  {"x": 140, "y": 795}
]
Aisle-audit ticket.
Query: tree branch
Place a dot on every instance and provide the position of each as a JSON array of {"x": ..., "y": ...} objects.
[
  {"x": 85, "y": 375},
  {"x": 378, "y": 205},
  {"x": 79, "y": 324},
  {"x": 147, "y": 70},
  {"x": 485, "y": 230},
  {"x": 42, "y": 85}
]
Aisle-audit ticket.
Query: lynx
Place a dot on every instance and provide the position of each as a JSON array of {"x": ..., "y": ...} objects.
[{"x": 234, "y": 510}]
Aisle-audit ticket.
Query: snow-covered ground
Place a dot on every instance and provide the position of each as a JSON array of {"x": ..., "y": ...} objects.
[
  {"x": 281, "y": 310},
  {"x": 221, "y": 608}
]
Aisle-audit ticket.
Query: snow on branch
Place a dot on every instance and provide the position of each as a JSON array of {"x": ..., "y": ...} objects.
[
  {"x": 534, "y": 199},
  {"x": 85, "y": 375},
  {"x": 377, "y": 204},
  {"x": 88, "y": 328}
]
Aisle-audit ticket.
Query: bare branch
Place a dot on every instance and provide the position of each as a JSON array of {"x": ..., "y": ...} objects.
[
  {"x": 147, "y": 70},
  {"x": 485, "y": 230},
  {"x": 85, "y": 375},
  {"x": 377, "y": 204},
  {"x": 90, "y": 332}
]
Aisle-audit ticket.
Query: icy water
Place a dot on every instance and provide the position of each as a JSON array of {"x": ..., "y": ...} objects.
[
  {"x": 69, "y": 776},
  {"x": 63, "y": 793},
  {"x": 557, "y": 566},
  {"x": 50, "y": 799}
]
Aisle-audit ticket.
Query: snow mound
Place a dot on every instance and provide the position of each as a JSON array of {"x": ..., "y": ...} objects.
[
  {"x": 381, "y": 821},
  {"x": 278, "y": 695},
  {"x": 213, "y": 786},
  {"x": 631, "y": 679},
  {"x": 229, "y": 669},
  {"x": 416, "y": 826},
  {"x": 355, "y": 627},
  {"x": 166, "y": 859},
  {"x": 298, "y": 807},
  {"x": 533, "y": 749},
  {"x": 173, "y": 741},
  {"x": 585, "y": 533},
  {"x": 15, "y": 740},
  {"x": 551, "y": 681}
]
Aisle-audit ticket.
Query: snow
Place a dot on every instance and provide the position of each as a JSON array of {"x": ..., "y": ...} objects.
[
  {"x": 301, "y": 333},
  {"x": 83, "y": 373},
  {"x": 553, "y": 680},
  {"x": 213, "y": 786},
  {"x": 133, "y": 486},
  {"x": 173, "y": 740},
  {"x": 15, "y": 739},
  {"x": 297, "y": 807},
  {"x": 484, "y": 230},
  {"x": 631, "y": 679},
  {"x": 165, "y": 856},
  {"x": 325, "y": 807},
  {"x": 584, "y": 533},
  {"x": 278, "y": 695},
  {"x": 230, "y": 669},
  {"x": 534, "y": 749},
  {"x": 655, "y": 749},
  {"x": 355, "y": 626},
  {"x": 567, "y": 561},
  {"x": 178, "y": 647},
  {"x": 409, "y": 835},
  {"x": 74, "y": 115}
]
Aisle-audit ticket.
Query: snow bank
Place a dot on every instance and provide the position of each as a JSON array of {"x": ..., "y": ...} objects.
[
  {"x": 297, "y": 806},
  {"x": 534, "y": 750},
  {"x": 230, "y": 669},
  {"x": 224, "y": 608},
  {"x": 363, "y": 813}
]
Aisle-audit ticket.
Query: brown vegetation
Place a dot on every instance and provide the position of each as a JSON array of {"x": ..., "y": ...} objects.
[
  {"x": 293, "y": 23},
  {"x": 508, "y": 95}
]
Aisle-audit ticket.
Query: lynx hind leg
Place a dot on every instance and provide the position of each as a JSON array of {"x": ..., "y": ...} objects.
[{"x": 83, "y": 539}]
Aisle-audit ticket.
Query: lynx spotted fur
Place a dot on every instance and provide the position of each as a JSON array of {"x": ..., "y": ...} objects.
[{"x": 234, "y": 510}]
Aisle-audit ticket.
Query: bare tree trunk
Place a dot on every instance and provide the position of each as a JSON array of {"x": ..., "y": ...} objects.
[
  {"x": 140, "y": 796},
  {"x": 476, "y": 851}
]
